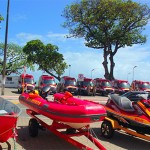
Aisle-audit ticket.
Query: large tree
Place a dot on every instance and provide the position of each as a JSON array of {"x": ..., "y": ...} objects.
[
  {"x": 46, "y": 57},
  {"x": 15, "y": 57},
  {"x": 107, "y": 25}
]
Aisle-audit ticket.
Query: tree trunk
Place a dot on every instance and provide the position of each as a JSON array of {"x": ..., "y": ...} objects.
[
  {"x": 112, "y": 65},
  {"x": 105, "y": 63},
  {"x": 57, "y": 77}
]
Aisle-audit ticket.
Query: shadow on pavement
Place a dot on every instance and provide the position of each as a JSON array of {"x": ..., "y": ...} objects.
[
  {"x": 123, "y": 140},
  {"x": 15, "y": 92},
  {"x": 44, "y": 141}
]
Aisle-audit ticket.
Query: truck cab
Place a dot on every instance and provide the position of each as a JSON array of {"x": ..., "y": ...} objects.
[
  {"x": 86, "y": 87},
  {"x": 137, "y": 85},
  {"x": 46, "y": 80},
  {"x": 26, "y": 83},
  {"x": 103, "y": 86},
  {"x": 121, "y": 86},
  {"x": 67, "y": 84}
]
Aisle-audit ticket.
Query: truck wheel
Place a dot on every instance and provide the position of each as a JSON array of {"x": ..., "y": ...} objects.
[
  {"x": 33, "y": 127},
  {"x": 88, "y": 91},
  {"x": 58, "y": 88},
  {"x": 94, "y": 91},
  {"x": 107, "y": 130}
]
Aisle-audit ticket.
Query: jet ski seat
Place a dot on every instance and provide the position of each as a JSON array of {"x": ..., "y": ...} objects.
[{"x": 122, "y": 102}]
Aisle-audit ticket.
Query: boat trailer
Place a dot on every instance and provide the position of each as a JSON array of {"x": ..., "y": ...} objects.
[
  {"x": 34, "y": 123},
  {"x": 109, "y": 126}
]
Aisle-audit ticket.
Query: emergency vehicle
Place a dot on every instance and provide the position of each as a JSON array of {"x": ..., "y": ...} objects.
[
  {"x": 121, "y": 86},
  {"x": 86, "y": 87},
  {"x": 67, "y": 84},
  {"x": 46, "y": 80},
  {"x": 103, "y": 86},
  {"x": 137, "y": 85},
  {"x": 26, "y": 83}
]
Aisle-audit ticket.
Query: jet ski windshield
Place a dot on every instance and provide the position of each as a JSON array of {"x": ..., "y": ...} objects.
[
  {"x": 143, "y": 96},
  {"x": 122, "y": 102}
]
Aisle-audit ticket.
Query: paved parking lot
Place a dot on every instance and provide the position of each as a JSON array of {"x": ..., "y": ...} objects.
[{"x": 48, "y": 141}]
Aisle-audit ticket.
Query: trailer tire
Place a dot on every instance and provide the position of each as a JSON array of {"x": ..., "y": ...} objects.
[
  {"x": 33, "y": 127},
  {"x": 107, "y": 130}
]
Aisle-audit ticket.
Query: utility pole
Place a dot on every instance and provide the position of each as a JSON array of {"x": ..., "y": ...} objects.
[
  {"x": 5, "y": 51},
  {"x": 133, "y": 72}
]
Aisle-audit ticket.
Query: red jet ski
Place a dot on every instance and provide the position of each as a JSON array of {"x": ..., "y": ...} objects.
[{"x": 130, "y": 116}]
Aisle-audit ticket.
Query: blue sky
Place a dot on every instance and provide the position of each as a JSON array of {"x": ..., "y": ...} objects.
[{"x": 41, "y": 19}]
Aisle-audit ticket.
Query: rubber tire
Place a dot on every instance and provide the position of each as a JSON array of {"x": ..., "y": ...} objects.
[
  {"x": 107, "y": 130},
  {"x": 33, "y": 127},
  {"x": 88, "y": 91},
  {"x": 94, "y": 91}
]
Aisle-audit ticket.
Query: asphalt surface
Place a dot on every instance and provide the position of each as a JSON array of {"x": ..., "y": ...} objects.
[{"x": 46, "y": 140}]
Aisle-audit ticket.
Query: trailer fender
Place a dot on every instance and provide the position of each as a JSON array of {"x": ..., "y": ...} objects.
[{"x": 114, "y": 123}]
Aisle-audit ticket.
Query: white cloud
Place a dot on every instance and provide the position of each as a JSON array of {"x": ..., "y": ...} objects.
[
  {"x": 83, "y": 59},
  {"x": 129, "y": 57},
  {"x": 22, "y": 38},
  {"x": 18, "y": 17},
  {"x": 84, "y": 62},
  {"x": 125, "y": 60}
]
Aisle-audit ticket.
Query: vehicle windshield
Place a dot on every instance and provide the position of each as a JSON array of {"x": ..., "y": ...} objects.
[
  {"x": 106, "y": 84},
  {"x": 29, "y": 80},
  {"x": 145, "y": 86},
  {"x": 70, "y": 82},
  {"x": 52, "y": 82},
  {"x": 88, "y": 83},
  {"x": 124, "y": 85}
]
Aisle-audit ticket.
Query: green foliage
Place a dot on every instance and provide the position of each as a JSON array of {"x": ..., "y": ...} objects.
[
  {"x": 16, "y": 59},
  {"x": 1, "y": 18},
  {"x": 46, "y": 57},
  {"x": 107, "y": 24}
]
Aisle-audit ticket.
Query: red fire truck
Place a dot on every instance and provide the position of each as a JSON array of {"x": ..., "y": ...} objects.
[
  {"x": 103, "y": 86},
  {"x": 86, "y": 87},
  {"x": 67, "y": 84},
  {"x": 26, "y": 83},
  {"x": 140, "y": 86},
  {"x": 46, "y": 80},
  {"x": 121, "y": 86}
]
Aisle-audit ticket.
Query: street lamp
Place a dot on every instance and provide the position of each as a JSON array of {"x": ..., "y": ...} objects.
[
  {"x": 128, "y": 75},
  {"x": 133, "y": 72},
  {"x": 92, "y": 71},
  {"x": 69, "y": 69}
]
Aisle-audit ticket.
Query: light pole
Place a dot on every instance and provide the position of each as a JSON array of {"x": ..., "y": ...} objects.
[
  {"x": 5, "y": 50},
  {"x": 91, "y": 72},
  {"x": 133, "y": 72},
  {"x": 69, "y": 69},
  {"x": 128, "y": 75}
]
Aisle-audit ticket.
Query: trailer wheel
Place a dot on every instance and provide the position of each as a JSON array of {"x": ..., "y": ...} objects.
[
  {"x": 107, "y": 130},
  {"x": 33, "y": 127}
]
